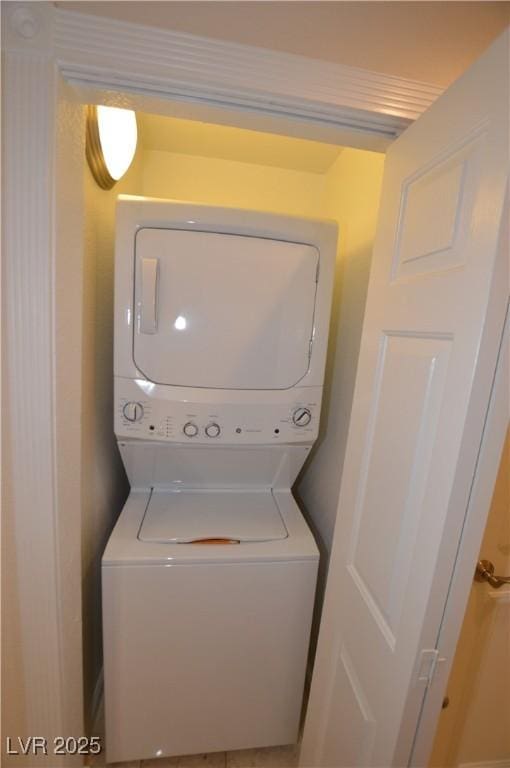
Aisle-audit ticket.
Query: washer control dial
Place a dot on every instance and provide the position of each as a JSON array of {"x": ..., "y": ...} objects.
[
  {"x": 133, "y": 411},
  {"x": 302, "y": 417},
  {"x": 190, "y": 429},
  {"x": 212, "y": 430}
]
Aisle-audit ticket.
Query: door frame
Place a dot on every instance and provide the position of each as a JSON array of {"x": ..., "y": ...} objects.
[
  {"x": 205, "y": 78},
  {"x": 52, "y": 57}
]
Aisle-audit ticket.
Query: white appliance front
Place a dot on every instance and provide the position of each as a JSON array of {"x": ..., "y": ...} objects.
[
  {"x": 205, "y": 646},
  {"x": 222, "y": 311},
  {"x": 208, "y": 579},
  {"x": 221, "y": 323}
]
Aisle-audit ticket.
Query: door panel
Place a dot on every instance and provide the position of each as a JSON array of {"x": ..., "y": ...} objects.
[
  {"x": 435, "y": 210},
  {"x": 408, "y": 391},
  {"x": 355, "y": 724},
  {"x": 430, "y": 286}
]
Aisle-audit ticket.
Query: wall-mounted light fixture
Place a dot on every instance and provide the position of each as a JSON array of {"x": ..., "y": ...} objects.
[{"x": 110, "y": 143}]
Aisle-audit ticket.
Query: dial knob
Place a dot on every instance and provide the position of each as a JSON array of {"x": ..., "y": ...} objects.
[
  {"x": 190, "y": 429},
  {"x": 212, "y": 430},
  {"x": 133, "y": 411},
  {"x": 302, "y": 417}
]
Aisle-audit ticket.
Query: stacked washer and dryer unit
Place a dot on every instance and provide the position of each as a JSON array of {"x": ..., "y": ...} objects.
[{"x": 208, "y": 579}]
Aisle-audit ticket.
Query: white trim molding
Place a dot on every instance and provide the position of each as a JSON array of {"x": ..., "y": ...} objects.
[
  {"x": 28, "y": 159},
  {"x": 107, "y": 54},
  {"x": 39, "y": 447}
]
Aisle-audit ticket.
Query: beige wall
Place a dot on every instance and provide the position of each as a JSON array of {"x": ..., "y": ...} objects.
[
  {"x": 232, "y": 183},
  {"x": 353, "y": 187},
  {"x": 475, "y": 727},
  {"x": 104, "y": 484}
]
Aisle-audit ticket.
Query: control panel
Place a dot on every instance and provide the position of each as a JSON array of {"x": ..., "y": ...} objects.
[{"x": 139, "y": 415}]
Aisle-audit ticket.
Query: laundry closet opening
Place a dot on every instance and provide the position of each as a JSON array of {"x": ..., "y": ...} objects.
[{"x": 190, "y": 161}]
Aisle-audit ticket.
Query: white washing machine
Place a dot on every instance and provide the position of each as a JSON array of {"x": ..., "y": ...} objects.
[{"x": 208, "y": 579}]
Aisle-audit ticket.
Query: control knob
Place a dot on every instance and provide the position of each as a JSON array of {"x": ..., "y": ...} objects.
[
  {"x": 133, "y": 411},
  {"x": 190, "y": 429},
  {"x": 302, "y": 417},
  {"x": 212, "y": 430}
]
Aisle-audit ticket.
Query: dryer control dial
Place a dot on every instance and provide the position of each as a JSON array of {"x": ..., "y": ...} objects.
[
  {"x": 212, "y": 430},
  {"x": 302, "y": 417},
  {"x": 133, "y": 411},
  {"x": 190, "y": 429}
]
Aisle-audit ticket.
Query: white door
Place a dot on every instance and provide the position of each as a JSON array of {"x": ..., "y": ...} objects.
[
  {"x": 209, "y": 315},
  {"x": 430, "y": 288}
]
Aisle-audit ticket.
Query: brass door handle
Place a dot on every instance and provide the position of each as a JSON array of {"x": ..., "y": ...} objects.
[{"x": 485, "y": 572}]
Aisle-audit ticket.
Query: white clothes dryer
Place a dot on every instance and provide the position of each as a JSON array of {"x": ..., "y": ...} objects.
[{"x": 209, "y": 576}]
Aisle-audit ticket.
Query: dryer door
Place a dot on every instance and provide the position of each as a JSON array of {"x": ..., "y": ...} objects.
[{"x": 223, "y": 311}]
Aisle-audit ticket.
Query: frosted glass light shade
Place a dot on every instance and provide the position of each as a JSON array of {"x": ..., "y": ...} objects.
[{"x": 111, "y": 143}]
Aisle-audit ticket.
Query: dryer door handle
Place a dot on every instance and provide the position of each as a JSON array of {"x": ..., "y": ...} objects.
[{"x": 149, "y": 303}]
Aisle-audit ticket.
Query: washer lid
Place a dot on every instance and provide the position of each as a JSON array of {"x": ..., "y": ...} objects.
[{"x": 210, "y": 517}]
